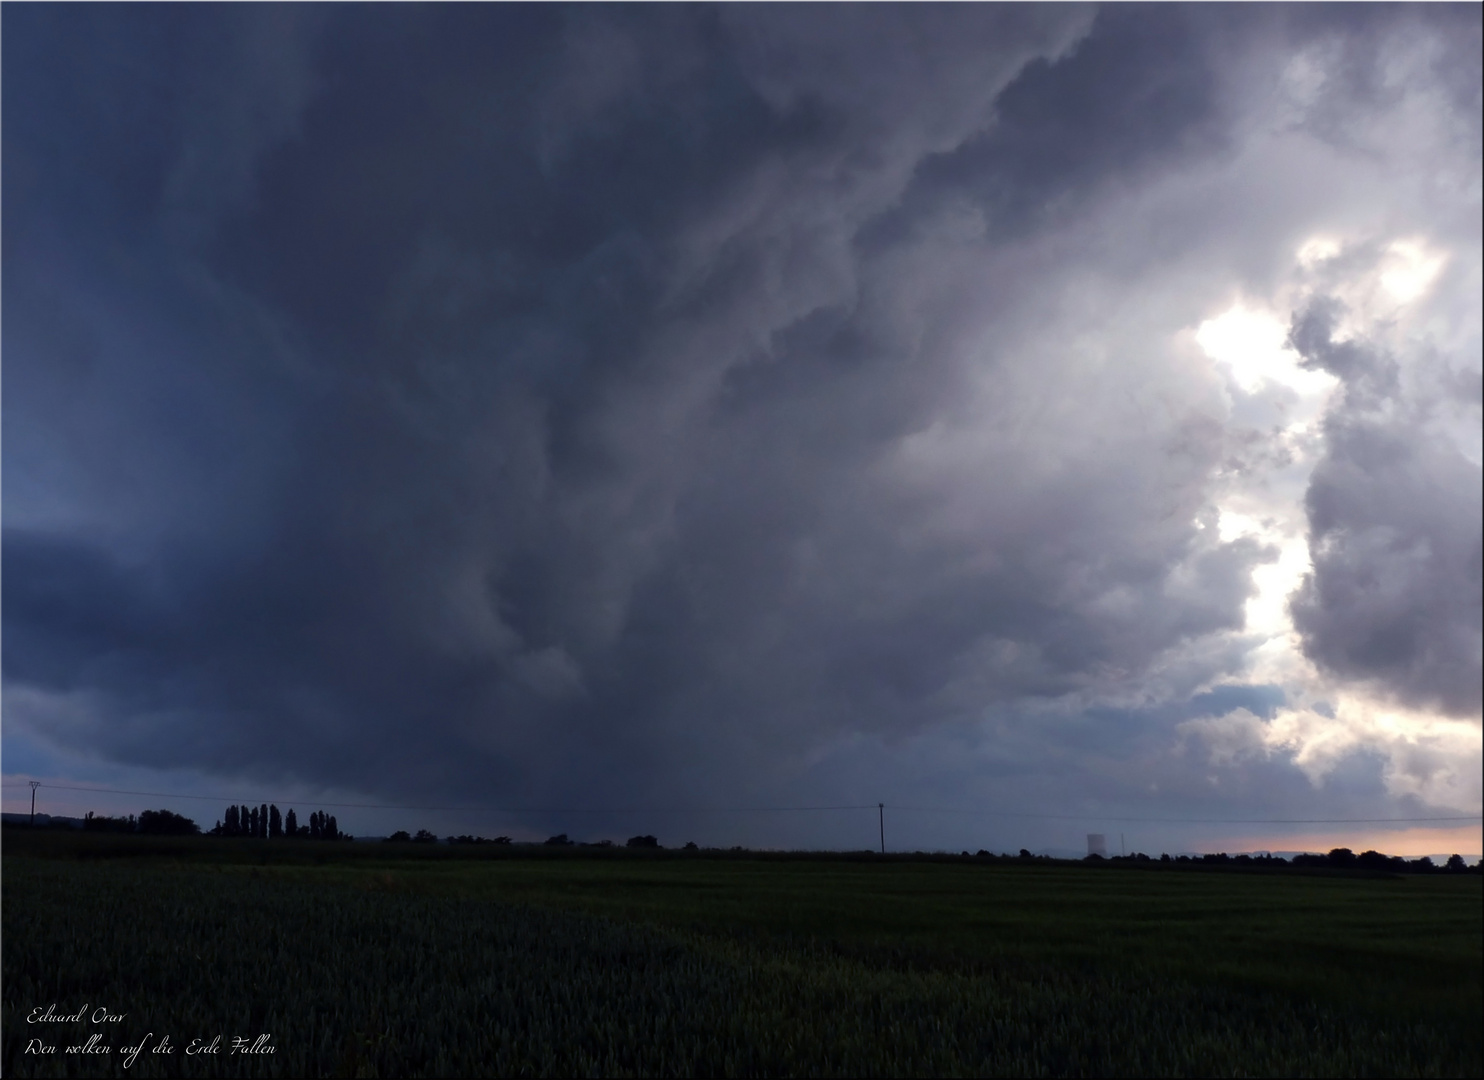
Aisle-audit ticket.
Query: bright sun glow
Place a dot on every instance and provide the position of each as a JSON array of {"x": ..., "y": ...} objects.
[
  {"x": 1267, "y": 611},
  {"x": 1253, "y": 345},
  {"x": 1410, "y": 269}
]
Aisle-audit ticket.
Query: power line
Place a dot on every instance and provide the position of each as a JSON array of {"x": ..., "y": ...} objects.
[{"x": 782, "y": 809}]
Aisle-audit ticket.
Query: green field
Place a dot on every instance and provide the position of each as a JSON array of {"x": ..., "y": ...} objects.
[{"x": 386, "y": 960}]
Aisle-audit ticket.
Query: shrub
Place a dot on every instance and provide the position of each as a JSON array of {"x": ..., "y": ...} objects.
[{"x": 164, "y": 823}]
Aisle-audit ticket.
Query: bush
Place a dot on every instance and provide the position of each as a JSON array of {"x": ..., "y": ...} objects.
[
  {"x": 164, "y": 823},
  {"x": 98, "y": 823}
]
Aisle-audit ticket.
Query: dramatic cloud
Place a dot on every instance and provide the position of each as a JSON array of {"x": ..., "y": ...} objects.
[
  {"x": 1394, "y": 521},
  {"x": 593, "y": 406}
]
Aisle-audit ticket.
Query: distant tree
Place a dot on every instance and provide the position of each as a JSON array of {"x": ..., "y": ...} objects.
[
  {"x": 643, "y": 841},
  {"x": 399, "y": 835},
  {"x": 275, "y": 823},
  {"x": 1373, "y": 860},
  {"x": 1341, "y": 856},
  {"x": 559, "y": 840},
  {"x": 229, "y": 826},
  {"x": 314, "y": 826},
  {"x": 502, "y": 840},
  {"x": 101, "y": 823},
  {"x": 424, "y": 837},
  {"x": 263, "y": 822},
  {"x": 690, "y": 845},
  {"x": 164, "y": 823},
  {"x": 1456, "y": 864},
  {"x": 291, "y": 823},
  {"x": 252, "y": 822},
  {"x": 331, "y": 830}
]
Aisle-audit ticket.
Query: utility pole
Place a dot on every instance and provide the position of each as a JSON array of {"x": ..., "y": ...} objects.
[
  {"x": 881, "y": 820},
  {"x": 34, "y": 785}
]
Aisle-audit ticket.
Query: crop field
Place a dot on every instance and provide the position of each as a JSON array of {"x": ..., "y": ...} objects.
[{"x": 376, "y": 960}]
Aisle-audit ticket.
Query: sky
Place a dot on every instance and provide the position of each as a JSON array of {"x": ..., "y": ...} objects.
[{"x": 1041, "y": 420}]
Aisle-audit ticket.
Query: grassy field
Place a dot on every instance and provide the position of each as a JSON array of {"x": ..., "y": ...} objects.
[{"x": 372, "y": 960}]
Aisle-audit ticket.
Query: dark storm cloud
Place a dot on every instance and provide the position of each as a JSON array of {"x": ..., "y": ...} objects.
[
  {"x": 1062, "y": 128},
  {"x": 1394, "y": 525},
  {"x": 560, "y": 401}
]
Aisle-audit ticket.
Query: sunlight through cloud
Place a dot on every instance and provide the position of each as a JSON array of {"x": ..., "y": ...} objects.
[{"x": 1253, "y": 346}]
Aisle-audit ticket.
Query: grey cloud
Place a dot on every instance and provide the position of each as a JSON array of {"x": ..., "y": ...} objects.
[
  {"x": 1394, "y": 533},
  {"x": 1130, "y": 95},
  {"x": 1367, "y": 372},
  {"x": 1363, "y": 52}
]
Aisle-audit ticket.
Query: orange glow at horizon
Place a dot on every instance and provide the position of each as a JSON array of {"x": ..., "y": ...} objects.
[{"x": 1465, "y": 839}]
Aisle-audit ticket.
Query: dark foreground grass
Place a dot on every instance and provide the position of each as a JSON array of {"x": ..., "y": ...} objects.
[{"x": 663, "y": 967}]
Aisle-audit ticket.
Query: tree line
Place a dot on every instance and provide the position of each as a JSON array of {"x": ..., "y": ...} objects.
[
  {"x": 266, "y": 823},
  {"x": 261, "y": 822},
  {"x": 154, "y": 822},
  {"x": 1337, "y": 858}
]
